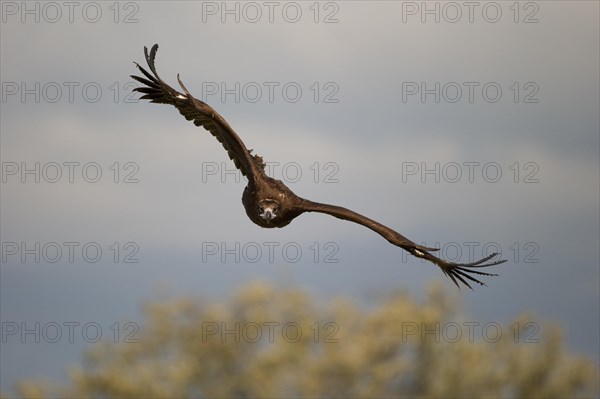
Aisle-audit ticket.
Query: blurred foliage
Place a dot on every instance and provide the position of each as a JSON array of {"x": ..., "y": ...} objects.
[{"x": 268, "y": 342}]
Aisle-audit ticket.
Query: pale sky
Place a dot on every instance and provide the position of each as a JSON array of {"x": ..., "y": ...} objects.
[{"x": 477, "y": 132}]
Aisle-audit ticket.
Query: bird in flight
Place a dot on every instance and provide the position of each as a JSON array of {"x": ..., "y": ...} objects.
[{"x": 270, "y": 203}]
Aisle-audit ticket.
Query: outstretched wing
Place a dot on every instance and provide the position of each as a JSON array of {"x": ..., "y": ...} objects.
[
  {"x": 456, "y": 271},
  {"x": 202, "y": 114}
]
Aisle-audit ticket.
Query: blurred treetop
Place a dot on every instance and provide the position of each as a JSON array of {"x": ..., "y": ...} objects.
[{"x": 270, "y": 342}]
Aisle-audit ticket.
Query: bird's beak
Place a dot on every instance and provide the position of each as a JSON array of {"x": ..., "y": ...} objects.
[{"x": 268, "y": 215}]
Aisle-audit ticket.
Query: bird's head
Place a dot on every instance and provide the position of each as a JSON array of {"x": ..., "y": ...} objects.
[{"x": 268, "y": 209}]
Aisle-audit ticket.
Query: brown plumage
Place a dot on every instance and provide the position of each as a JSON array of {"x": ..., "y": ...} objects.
[{"x": 270, "y": 203}]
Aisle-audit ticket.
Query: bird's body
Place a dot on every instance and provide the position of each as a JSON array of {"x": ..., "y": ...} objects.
[
  {"x": 269, "y": 202},
  {"x": 275, "y": 197}
]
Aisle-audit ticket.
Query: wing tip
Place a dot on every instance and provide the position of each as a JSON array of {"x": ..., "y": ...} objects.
[{"x": 461, "y": 272}]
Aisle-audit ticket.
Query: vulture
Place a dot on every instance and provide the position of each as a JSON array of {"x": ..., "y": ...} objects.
[{"x": 269, "y": 202}]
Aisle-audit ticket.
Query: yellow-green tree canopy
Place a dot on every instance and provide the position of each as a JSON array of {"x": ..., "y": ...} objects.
[{"x": 268, "y": 342}]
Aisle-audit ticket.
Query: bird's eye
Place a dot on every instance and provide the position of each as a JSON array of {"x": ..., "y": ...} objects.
[{"x": 261, "y": 209}]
